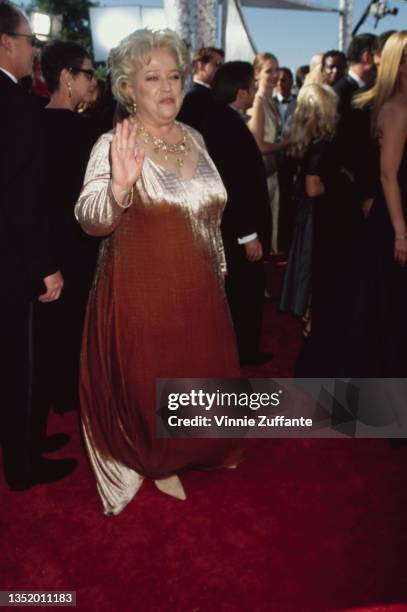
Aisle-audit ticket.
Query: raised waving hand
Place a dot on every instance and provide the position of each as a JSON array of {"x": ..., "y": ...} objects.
[{"x": 127, "y": 160}]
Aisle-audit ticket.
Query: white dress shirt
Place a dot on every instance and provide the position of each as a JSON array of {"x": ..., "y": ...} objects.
[
  {"x": 356, "y": 78},
  {"x": 202, "y": 83},
  {"x": 11, "y": 76}
]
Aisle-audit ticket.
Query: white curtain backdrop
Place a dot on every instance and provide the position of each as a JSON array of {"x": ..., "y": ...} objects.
[{"x": 236, "y": 39}]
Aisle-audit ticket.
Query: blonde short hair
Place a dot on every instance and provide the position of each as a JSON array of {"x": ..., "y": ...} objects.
[
  {"x": 388, "y": 78},
  {"x": 316, "y": 61},
  {"x": 315, "y": 117},
  {"x": 314, "y": 76},
  {"x": 134, "y": 52}
]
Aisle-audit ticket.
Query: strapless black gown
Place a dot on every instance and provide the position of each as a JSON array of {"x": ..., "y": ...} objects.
[{"x": 363, "y": 330}]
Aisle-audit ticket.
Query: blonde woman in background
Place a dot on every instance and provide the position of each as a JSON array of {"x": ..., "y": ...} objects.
[
  {"x": 314, "y": 77},
  {"x": 310, "y": 264},
  {"x": 265, "y": 125},
  {"x": 370, "y": 338}
]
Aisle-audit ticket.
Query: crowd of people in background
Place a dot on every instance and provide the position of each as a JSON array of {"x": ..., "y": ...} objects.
[{"x": 312, "y": 171}]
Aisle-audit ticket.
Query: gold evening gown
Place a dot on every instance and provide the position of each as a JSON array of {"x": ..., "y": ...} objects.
[
  {"x": 157, "y": 309},
  {"x": 272, "y": 132}
]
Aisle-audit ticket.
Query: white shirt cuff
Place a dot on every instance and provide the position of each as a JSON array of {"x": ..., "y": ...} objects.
[{"x": 247, "y": 238}]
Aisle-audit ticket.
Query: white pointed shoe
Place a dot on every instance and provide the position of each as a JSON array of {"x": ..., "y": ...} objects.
[{"x": 171, "y": 486}]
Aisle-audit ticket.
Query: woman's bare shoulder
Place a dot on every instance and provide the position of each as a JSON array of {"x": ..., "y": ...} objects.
[{"x": 393, "y": 112}]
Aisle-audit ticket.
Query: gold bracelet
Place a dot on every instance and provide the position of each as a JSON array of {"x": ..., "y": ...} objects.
[{"x": 401, "y": 237}]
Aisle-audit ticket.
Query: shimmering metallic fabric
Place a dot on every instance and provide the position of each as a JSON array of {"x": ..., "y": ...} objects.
[
  {"x": 97, "y": 210},
  {"x": 116, "y": 483},
  {"x": 157, "y": 310},
  {"x": 272, "y": 121},
  {"x": 272, "y": 130},
  {"x": 201, "y": 198}
]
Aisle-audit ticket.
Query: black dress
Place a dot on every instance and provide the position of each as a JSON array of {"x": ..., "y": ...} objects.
[
  {"x": 363, "y": 331},
  {"x": 319, "y": 234},
  {"x": 58, "y": 325}
]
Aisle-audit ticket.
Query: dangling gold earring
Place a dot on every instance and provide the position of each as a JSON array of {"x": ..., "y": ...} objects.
[
  {"x": 134, "y": 108},
  {"x": 69, "y": 90}
]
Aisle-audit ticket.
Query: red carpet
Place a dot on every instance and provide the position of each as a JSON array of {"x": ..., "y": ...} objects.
[{"x": 299, "y": 526}]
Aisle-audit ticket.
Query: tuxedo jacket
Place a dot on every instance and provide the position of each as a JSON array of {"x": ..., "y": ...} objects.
[
  {"x": 196, "y": 105},
  {"x": 359, "y": 152},
  {"x": 237, "y": 157},
  {"x": 345, "y": 89},
  {"x": 289, "y": 109},
  {"x": 24, "y": 256}
]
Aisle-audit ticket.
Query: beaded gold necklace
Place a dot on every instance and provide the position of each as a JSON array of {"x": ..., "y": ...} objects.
[{"x": 180, "y": 149}]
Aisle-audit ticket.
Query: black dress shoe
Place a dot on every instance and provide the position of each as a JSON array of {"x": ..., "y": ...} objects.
[
  {"x": 51, "y": 470},
  {"x": 20, "y": 484},
  {"x": 54, "y": 442},
  {"x": 257, "y": 359}
]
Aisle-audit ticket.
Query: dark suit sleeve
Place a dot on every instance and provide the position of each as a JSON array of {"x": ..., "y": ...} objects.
[
  {"x": 195, "y": 107},
  {"x": 23, "y": 211},
  {"x": 234, "y": 175},
  {"x": 345, "y": 88},
  {"x": 364, "y": 154},
  {"x": 236, "y": 155}
]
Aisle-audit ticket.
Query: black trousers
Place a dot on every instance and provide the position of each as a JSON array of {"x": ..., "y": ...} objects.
[
  {"x": 245, "y": 293},
  {"x": 57, "y": 338},
  {"x": 15, "y": 412}
]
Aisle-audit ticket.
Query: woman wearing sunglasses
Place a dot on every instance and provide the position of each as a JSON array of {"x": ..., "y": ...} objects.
[{"x": 67, "y": 70}]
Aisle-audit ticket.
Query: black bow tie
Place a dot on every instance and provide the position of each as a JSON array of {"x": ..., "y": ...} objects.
[{"x": 286, "y": 101}]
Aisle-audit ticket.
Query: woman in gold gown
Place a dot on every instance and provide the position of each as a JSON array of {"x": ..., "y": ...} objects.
[
  {"x": 157, "y": 308},
  {"x": 265, "y": 125}
]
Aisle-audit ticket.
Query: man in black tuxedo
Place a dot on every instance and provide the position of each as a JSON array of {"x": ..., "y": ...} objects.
[
  {"x": 284, "y": 98},
  {"x": 205, "y": 63},
  {"x": 26, "y": 269},
  {"x": 360, "y": 73},
  {"x": 353, "y": 133},
  {"x": 246, "y": 220}
]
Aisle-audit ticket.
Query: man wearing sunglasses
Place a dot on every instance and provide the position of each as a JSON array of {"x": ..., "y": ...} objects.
[
  {"x": 205, "y": 63},
  {"x": 26, "y": 271}
]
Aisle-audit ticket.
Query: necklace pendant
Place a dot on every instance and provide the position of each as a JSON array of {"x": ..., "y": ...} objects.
[{"x": 179, "y": 150}]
